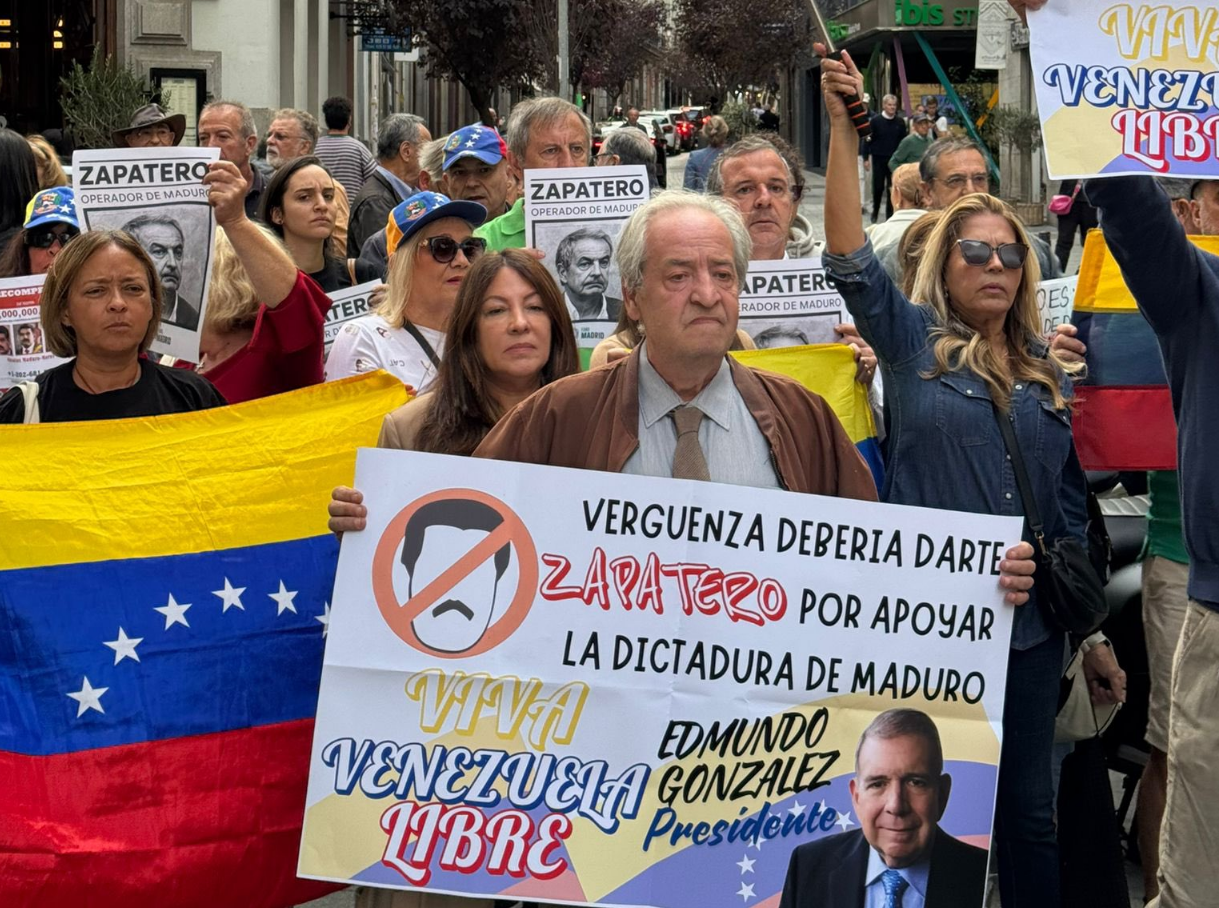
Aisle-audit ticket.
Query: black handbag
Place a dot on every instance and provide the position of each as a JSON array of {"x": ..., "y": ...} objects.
[{"x": 1071, "y": 575}]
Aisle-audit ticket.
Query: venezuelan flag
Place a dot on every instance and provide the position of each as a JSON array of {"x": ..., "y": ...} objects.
[
  {"x": 163, "y": 603},
  {"x": 828, "y": 370},
  {"x": 1123, "y": 415}
]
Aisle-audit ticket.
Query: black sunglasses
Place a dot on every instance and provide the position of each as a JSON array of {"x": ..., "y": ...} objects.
[
  {"x": 45, "y": 239},
  {"x": 444, "y": 248},
  {"x": 1011, "y": 255}
]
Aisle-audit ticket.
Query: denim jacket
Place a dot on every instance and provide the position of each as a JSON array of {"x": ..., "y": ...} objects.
[{"x": 944, "y": 446}]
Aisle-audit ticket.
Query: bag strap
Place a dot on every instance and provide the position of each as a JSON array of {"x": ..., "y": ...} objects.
[
  {"x": 422, "y": 342},
  {"x": 29, "y": 396},
  {"x": 1031, "y": 513}
]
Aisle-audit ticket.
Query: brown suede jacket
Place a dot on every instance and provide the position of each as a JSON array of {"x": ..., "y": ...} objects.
[{"x": 591, "y": 421}]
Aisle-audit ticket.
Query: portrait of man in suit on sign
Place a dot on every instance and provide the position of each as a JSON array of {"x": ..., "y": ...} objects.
[{"x": 899, "y": 857}]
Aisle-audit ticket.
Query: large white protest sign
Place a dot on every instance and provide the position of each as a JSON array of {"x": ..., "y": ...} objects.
[
  {"x": 23, "y": 353},
  {"x": 1127, "y": 88},
  {"x": 788, "y": 303},
  {"x": 345, "y": 306},
  {"x": 609, "y": 692},
  {"x": 157, "y": 195},
  {"x": 574, "y": 215},
  {"x": 1056, "y": 302}
]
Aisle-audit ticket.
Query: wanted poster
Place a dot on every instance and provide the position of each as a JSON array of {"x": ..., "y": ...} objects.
[
  {"x": 574, "y": 215},
  {"x": 345, "y": 306},
  {"x": 157, "y": 195},
  {"x": 789, "y": 303},
  {"x": 23, "y": 353}
]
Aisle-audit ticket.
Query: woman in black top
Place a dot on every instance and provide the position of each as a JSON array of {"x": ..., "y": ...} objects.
[
  {"x": 101, "y": 305},
  {"x": 300, "y": 209}
]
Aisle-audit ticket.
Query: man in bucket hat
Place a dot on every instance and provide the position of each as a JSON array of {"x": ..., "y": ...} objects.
[{"x": 151, "y": 127}]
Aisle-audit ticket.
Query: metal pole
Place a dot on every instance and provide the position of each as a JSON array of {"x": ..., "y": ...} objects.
[{"x": 564, "y": 51}]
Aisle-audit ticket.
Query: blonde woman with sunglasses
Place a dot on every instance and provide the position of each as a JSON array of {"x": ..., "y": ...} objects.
[
  {"x": 431, "y": 243},
  {"x": 963, "y": 352}
]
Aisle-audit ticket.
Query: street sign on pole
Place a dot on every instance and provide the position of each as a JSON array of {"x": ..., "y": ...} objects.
[{"x": 377, "y": 41}]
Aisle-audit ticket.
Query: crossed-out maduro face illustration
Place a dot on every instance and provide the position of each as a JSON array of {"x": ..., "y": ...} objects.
[
  {"x": 433, "y": 534},
  {"x": 455, "y": 547}
]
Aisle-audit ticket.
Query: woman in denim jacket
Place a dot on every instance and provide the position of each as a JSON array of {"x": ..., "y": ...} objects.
[{"x": 971, "y": 345}]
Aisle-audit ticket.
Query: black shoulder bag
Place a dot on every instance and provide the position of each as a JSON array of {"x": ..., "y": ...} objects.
[{"x": 1070, "y": 575}]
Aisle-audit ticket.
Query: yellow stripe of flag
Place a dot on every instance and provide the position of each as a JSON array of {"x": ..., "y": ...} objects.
[
  {"x": 1101, "y": 287},
  {"x": 827, "y": 370},
  {"x": 249, "y": 474}
]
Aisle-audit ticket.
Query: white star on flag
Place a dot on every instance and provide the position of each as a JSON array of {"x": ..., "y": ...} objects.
[
  {"x": 746, "y": 892},
  {"x": 89, "y": 697},
  {"x": 324, "y": 620},
  {"x": 796, "y": 809},
  {"x": 283, "y": 599},
  {"x": 124, "y": 647},
  {"x": 746, "y": 864},
  {"x": 230, "y": 596},
  {"x": 756, "y": 843},
  {"x": 470, "y": 144},
  {"x": 844, "y": 820},
  {"x": 66, "y": 209},
  {"x": 174, "y": 613}
]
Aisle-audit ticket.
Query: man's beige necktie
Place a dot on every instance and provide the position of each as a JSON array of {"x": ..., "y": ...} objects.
[{"x": 688, "y": 459}]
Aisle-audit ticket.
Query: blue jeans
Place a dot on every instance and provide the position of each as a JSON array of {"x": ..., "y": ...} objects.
[{"x": 1024, "y": 820}]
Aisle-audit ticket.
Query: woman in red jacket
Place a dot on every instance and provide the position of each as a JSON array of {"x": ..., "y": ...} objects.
[{"x": 262, "y": 330}]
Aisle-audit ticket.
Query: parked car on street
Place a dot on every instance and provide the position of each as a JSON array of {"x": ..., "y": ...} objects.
[
  {"x": 686, "y": 128},
  {"x": 667, "y": 126}
]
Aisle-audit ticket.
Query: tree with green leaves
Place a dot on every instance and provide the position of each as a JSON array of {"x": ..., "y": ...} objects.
[
  {"x": 483, "y": 44},
  {"x": 98, "y": 100},
  {"x": 629, "y": 37},
  {"x": 730, "y": 45}
]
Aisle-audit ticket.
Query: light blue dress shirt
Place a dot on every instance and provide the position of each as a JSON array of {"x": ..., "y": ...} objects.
[
  {"x": 403, "y": 189},
  {"x": 734, "y": 447},
  {"x": 914, "y": 895}
]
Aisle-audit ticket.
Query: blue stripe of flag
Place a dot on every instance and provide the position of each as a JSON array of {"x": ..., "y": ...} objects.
[
  {"x": 869, "y": 448},
  {"x": 255, "y": 662}
]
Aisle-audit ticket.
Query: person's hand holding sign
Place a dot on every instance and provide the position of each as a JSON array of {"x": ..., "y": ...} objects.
[
  {"x": 839, "y": 80},
  {"x": 1023, "y": 6},
  {"x": 1016, "y": 573},
  {"x": 1067, "y": 344},
  {"x": 347, "y": 511},
  {"x": 226, "y": 191}
]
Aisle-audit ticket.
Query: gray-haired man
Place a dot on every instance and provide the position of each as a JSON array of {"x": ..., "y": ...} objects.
[
  {"x": 399, "y": 141},
  {"x": 542, "y": 132},
  {"x": 229, "y": 126},
  {"x": 678, "y": 405}
]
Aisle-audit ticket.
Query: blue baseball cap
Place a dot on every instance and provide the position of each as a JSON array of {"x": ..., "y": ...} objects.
[
  {"x": 475, "y": 141},
  {"x": 56, "y": 205},
  {"x": 423, "y": 208}
]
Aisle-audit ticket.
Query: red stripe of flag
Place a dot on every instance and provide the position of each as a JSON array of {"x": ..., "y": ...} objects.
[
  {"x": 1124, "y": 427},
  {"x": 196, "y": 821}
]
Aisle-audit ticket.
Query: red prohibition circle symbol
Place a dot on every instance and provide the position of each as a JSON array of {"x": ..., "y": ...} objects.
[{"x": 400, "y": 615}]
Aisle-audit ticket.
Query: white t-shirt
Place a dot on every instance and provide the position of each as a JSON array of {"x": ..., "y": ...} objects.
[{"x": 368, "y": 343}]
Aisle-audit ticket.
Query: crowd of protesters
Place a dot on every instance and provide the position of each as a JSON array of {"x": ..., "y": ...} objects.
[{"x": 945, "y": 335}]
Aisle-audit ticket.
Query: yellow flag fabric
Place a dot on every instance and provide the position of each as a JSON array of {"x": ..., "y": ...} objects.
[
  {"x": 1101, "y": 287},
  {"x": 827, "y": 370},
  {"x": 247, "y": 474}
]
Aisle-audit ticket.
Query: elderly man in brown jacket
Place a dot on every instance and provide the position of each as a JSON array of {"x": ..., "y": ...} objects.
[{"x": 678, "y": 405}]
